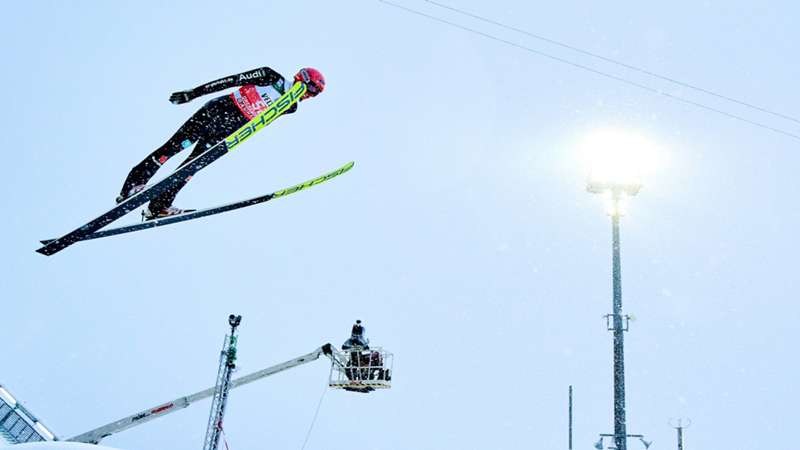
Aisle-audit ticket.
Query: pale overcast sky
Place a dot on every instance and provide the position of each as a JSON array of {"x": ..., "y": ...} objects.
[{"x": 463, "y": 237}]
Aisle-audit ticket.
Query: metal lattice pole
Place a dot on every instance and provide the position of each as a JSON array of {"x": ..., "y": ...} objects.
[{"x": 227, "y": 362}]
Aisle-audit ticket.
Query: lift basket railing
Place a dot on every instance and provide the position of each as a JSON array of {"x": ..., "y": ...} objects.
[{"x": 359, "y": 369}]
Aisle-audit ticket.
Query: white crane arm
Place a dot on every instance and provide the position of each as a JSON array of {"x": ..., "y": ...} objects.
[{"x": 96, "y": 435}]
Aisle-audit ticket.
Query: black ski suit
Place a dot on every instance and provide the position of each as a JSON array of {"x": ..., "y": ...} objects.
[{"x": 213, "y": 122}]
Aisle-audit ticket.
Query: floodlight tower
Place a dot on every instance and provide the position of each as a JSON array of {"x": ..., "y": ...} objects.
[{"x": 617, "y": 187}]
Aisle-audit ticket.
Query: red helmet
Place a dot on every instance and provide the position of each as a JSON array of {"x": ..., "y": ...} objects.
[{"x": 313, "y": 80}]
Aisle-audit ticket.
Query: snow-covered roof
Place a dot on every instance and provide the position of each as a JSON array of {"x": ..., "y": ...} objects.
[{"x": 17, "y": 424}]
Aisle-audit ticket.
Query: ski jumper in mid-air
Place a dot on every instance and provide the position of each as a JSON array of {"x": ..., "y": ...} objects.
[{"x": 213, "y": 122}]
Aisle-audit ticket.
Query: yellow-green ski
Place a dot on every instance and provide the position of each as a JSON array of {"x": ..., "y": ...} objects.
[{"x": 218, "y": 209}]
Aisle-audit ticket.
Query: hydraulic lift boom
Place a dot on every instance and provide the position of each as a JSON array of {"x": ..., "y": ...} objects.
[{"x": 96, "y": 435}]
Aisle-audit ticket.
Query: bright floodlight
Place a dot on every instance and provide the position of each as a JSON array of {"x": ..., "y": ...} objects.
[{"x": 617, "y": 161}]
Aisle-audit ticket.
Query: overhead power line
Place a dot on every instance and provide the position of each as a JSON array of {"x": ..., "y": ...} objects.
[
  {"x": 595, "y": 71},
  {"x": 614, "y": 61}
]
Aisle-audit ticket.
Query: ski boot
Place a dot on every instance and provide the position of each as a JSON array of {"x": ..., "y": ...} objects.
[
  {"x": 148, "y": 214},
  {"x": 133, "y": 191}
]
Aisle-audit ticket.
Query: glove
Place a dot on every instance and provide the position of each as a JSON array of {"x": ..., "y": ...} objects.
[{"x": 181, "y": 97}]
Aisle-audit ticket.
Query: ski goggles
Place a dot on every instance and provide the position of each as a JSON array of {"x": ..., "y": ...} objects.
[{"x": 313, "y": 89}]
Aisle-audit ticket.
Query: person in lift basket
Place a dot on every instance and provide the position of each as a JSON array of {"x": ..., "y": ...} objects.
[{"x": 363, "y": 364}]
